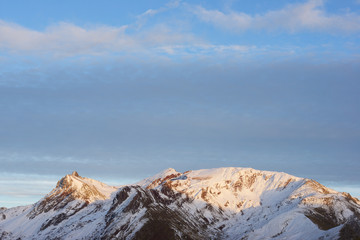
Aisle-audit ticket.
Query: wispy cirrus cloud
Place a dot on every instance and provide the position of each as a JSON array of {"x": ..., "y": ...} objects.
[
  {"x": 142, "y": 18},
  {"x": 308, "y": 16},
  {"x": 205, "y": 49}
]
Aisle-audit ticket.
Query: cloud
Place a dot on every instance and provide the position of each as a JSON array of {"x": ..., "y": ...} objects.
[
  {"x": 21, "y": 189},
  {"x": 142, "y": 18},
  {"x": 64, "y": 38},
  {"x": 308, "y": 16},
  {"x": 67, "y": 39},
  {"x": 170, "y": 38},
  {"x": 132, "y": 119},
  {"x": 208, "y": 49},
  {"x": 152, "y": 12}
]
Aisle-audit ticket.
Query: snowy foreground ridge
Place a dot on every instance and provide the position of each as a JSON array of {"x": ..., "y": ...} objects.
[{"x": 223, "y": 203}]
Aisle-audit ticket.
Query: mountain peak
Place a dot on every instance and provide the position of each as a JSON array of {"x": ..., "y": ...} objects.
[
  {"x": 74, "y": 187},
  {"x": 83, "y": 188},
  {"x": 71, "y": 189},
  {"x": 69, "y": 181}
]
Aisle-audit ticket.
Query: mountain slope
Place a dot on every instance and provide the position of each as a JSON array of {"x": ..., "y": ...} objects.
[{"x": 223, "y": 203}]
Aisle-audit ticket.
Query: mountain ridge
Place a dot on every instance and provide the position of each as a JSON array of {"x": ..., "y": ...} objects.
[{"x": 219, "y": 203}]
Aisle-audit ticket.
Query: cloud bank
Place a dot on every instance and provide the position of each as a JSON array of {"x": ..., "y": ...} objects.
[
  {"x": 166, "y": 91},
  {"x": 308, "y": 16},
  {"x": 67, "y": 39}
]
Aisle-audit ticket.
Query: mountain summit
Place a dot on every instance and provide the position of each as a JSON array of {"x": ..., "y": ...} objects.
[
  {"x": 222, "y": 203},
  {"x": 85, "y": 189}
]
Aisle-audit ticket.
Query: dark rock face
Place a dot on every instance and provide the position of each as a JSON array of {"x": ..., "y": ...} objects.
[
  {"x": 58, "y": 218},
  {"x": 323, "y": 218},
  {"x": 159, "y": 220},
  {"x": 351, "y": 230},
  {"x": 156, "y": 230}
]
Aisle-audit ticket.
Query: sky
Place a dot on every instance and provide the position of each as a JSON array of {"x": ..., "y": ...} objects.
[{"x": 120, "y": 90}]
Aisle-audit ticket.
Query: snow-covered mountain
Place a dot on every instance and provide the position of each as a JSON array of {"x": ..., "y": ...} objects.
[{"x": 223, "y": 203}]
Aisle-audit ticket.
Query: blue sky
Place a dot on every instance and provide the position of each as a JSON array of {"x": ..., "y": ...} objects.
[{"x": 121, "y": 90}]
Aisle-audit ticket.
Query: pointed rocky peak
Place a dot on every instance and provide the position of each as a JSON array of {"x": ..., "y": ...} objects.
[
  {"x": 82, "y": 188},
  {"x": 73, "y": 190},
  {"x": 70, "y": 180},
  {"x": 74, "y": 187}
]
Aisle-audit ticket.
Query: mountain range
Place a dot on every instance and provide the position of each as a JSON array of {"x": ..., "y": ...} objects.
[{"x": 221, "y": 203}]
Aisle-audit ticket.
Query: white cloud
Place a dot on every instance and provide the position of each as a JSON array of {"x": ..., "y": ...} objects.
[
  {"x": 67, "y": 39},
  {"x": 142, "y": 18},
  {"x": 232, "y": 20},
  {"x": 292, "y": 18},
  {"x": 208, "y": 49},
  {"x": 168, "y": 6},
  {"x": 63, "y": 39}
]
